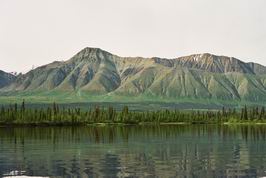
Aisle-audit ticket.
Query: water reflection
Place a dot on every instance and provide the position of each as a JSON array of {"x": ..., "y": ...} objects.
[{"x": 134, "y": 151}]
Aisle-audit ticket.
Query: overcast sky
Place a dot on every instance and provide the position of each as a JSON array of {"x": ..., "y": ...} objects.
[{"x": 36, "y": 32}]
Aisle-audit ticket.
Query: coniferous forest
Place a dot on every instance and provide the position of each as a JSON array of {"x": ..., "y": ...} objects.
[{"x": 21, "y": 115}]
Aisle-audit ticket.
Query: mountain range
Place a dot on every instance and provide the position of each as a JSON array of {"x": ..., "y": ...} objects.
[{"x": 97, "y": 75}]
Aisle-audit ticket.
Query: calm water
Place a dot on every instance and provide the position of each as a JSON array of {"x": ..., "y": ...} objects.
[{"x": 136, "y": 151}]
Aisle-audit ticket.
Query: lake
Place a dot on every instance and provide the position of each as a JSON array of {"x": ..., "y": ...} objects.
[{"x": 134, "y": 151}]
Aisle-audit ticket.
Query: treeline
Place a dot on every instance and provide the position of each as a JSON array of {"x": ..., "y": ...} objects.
[{"x": 55, "y": 115}]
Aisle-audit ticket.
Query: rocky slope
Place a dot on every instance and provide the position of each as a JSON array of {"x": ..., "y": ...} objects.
[
  {"x": 6, "y": 79},
  {"x": 96, "y": 72}
]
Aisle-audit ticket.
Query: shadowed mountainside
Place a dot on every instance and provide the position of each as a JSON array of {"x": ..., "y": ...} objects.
[{"x": 6, "y": 78}]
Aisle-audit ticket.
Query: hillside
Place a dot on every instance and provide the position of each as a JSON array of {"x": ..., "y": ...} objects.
[{"x": 95, "y": 73}]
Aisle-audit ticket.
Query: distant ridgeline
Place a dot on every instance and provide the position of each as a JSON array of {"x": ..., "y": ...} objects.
[
  {"x": 20, "y": 115},
  {"x": 96, "y": 75}
]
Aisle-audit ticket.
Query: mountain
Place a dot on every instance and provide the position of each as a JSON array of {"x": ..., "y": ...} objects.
[
  {"x": 6, "y": 78},
  {"x": 95, "y": 73}
]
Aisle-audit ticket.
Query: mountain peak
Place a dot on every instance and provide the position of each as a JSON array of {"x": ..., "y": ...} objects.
[
  {"x": 214, "y": 63},
  {"x": 92, "y": 50},
  {"x": 89, "y": 53}
]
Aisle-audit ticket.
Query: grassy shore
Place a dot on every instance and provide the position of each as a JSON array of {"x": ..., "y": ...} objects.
[{"x": 121, "y": 124}]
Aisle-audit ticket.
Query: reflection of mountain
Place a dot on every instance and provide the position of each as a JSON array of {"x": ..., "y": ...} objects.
[
  {"x": 96, "y": 73},
  {"x": 165, "y": 151}
]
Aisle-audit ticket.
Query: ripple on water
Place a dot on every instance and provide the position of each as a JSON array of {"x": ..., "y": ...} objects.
[{"x": 173, "y": 151}]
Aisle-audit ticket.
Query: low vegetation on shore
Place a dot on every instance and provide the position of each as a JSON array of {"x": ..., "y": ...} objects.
[{"x": 56, "y": 115}]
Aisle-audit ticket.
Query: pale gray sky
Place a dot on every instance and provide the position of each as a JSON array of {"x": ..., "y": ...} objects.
[{"x": 36, "y": 32}]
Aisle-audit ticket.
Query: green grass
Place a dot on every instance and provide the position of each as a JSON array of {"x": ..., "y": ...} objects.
[{"x": 150, "y": 101}]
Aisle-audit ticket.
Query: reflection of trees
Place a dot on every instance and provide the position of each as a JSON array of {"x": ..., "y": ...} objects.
[{"x": 163, "y": 151}]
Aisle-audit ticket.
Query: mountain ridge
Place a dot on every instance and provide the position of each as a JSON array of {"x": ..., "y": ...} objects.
[{"x": 93, "y": 71}]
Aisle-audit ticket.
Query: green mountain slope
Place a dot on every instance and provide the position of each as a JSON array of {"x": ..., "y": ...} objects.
[{"x": 97, "y": 75}]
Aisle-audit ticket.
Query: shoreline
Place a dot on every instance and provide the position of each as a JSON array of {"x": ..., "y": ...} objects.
[{"x": 101, "y": 124}]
